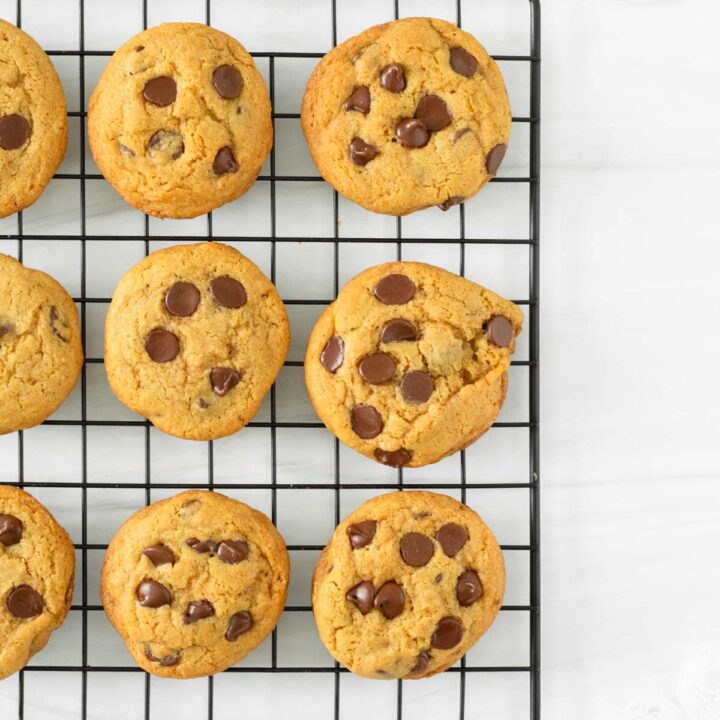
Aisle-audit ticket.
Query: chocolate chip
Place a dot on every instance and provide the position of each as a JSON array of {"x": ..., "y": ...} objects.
[
  {"x": 451, "y": 537},
  {"x": 412, "y": 133},
  {"x": 54, "y": 319},
  {"x": 394, "y": 458},
  {"x": 500, "y": 331},
  {"x": 202, "y": 404},
  {"x": 468, "y": 588},
  {"x": 165, "y": 143},
  {"x": 462, "y": 62},
  {"x": 160, "y": 91},
  {"x": 395, "y": 289},
  {"x": 153, "y": 594},
  {"x": 238, "y": 624},
  {"x": 438, "y": 578},
  {"x": 398, "y": 330},
  {"x": 361, "y": 534},
  {"x": 165, "y": 661},
  {"x": 390, "y": 599},
  {"x": 225, "y": 162},
  {"x": 450, "y": 202},
  {"x": 228, "y": 81},
  {"x": 159, "y": 555},
  {"x": 417, "y": 387},
  {"x": 359, "y": 100},
  {"x": 223, "y": 380},
  {"x": 228, "y": 292},
  {"x": 366, "y": 421},
  {"x": 5, "y": 328},
  {"x": 139, "y": 48},
  {"x": 416, "y": 549},
  {"x": 201, "y": 546},
  {"x": 232, "y": 551},
  {"x": 161, "y": 345},
  {"x": 198, "y": 610},
  {"x": 333, "y": 354},
  {"x": 448, "y": 633},
  {"x": 494, "y": 158},
  {"x": 125, "y": 150},
  {"x": 460, "y": 133},
  {"x": 362, "y": 596},
  {"x": 421, "y": 664},
  {"x": 361, "y": 153},
  {"x": 24, "y": 602},
  {"x": 392, "y": 78},
  {"x": 433, "y": 112},
  {"x": 14, "y": 132},
  {"x": 10, "y": 530},
  {"x": 376, "y": 368},
  {"x": 182, "y": 299}
]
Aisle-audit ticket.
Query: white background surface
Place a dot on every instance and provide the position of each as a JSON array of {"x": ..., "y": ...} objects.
[{"x": 630, "y": 417}]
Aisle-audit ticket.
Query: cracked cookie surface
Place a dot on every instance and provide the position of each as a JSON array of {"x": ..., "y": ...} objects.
[
  {"x": 180, "y": 122},
  {"x": 409, "y": 364},
  {"x": 194, "y": 583},
  {"x": 194, "y": 338},
  {"x": 407, "y": 115},
  {"x": 33, "y": 120},
  {"x": 40, "y": 348},
  {"x": 37, "y": 566},
  {"x": 407, "y": 584}
]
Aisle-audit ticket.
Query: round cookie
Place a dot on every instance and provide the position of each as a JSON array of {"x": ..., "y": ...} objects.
[
  {"x": 409, "y": 364},
  {"x": 194, "y": 338},
  {"x": 40, "y": 348},
  {"x": 407, "y": 115},
  {"x": 37, "y": 570},
  {"x": 407, "y": 584},
  {"x": 180, "y": 122},
  {"x": 194, "y": 583},
  {"x": 33, "y": 120}
]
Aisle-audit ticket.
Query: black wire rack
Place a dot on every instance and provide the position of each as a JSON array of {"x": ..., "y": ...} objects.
[{"x": 467, "y": 672}]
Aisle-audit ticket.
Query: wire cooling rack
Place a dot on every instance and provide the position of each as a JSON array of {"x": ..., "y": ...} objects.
[{"x": 93, "y": 462}]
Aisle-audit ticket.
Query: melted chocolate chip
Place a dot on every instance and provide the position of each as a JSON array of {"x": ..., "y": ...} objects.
[
  {"x": 182, "y": 299},
  {"x": 395, "y": 289},
  {"x": 398, "y": 330},
  {"x": 390, "y": 599},
  {"x": 366, "y": 421},
  {"x": 201, "y": 546},
  {"x": 433, "y": 112},
  {"x": 416, "y": 549},
  {"x": 202, "y": 404},
  {"x": 228, "y": 81},
  {"x": 164, "y": 144},
  {"x": 161, "y": 345},
  {"x": 24, "y": 602},
  {"x": 394, "y": 458},
  {"x": 468, "y": 588},
  {"x": 54, "y": 320},
  {"x": 223, "y": 380},
  {"x": 333, "y": 354},
  {"x": 453, "y": 200},
  {"x": 494, "y": 158},
  {"x": 10, "y": 530},
  {"x": 125, "y": 150},
  {"x": 448, "y": 633},
  {"x": 238, "y": 624},
  {"x": 198, "y": 610},
  {"x": 462, "y": 62},
  {"x": 361, "y": 153},
  {"x": 153, "y": 594},
  {"x": 232, "y": 551},
  {"x": 412, "y": 133},
  {"x": 417, "y": 387},
  {"x": 377, "y": 368},
  {"x": 225, "y": 162},
  {"x": 362, "y": 596},
  {"x": 359, "y": 100},
  {"x": 500, "y": 331},
  {"x": 361, "y": 534},
  {"x": 159, "y": 555},
  {"x": 392, "y": 78},
  {"x": 421, "y": 665},
  {"x": 14, "y": 132},
  {"x": 228, "y": 292},
  {"x": 160, "y": 91},
  {"x": 451, "y": 537},
  {"x": 460, "y": 133},
  {"x": 5, "y": 329},
  {"x": 165, "y": 661}
]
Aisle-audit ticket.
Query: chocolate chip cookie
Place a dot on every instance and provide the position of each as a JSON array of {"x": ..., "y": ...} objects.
[
  {"x": 40, "y": 349},
  {"x": 194, "y": 583},
  {"x": 407, "y": 115},
  {"x": 37, "y": 568},
  {"x": 407, "y": 584},
  {"x": 194, "y": 338},
  {"x": 33, "y": 120},
  {"x": 180, "y": 122},
  {"x": 409, "y": 364}
]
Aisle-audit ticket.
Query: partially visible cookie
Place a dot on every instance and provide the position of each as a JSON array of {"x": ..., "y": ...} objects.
[
  {"x": 180, "y": 122},
  {"x": 194, "y": 583},
  {"x": 40, "y": 348},
  {"x": 37, "y": 567},
  {"x": 407, "y": 584},
  {"x": 409, "y": 364},
  {"x": 33, "y": 120}
]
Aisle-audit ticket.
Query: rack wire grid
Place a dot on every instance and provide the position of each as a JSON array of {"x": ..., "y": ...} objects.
[{"x": 94, "y": 462}]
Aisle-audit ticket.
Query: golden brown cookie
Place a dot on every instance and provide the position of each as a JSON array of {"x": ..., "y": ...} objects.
[
  {"x": 194, "y": 338},
  {"x": 194, "y": 583},
  {"x": 33, "y": 120},
  {"x": 406, "y": 115},
  {"x": 409, "y": 364},
  {"x": 37, "y": 570},
  {"x": 407, "y": 585},
  {"x": 180, "y": 122},
  {"x": 40, "y": 349}
]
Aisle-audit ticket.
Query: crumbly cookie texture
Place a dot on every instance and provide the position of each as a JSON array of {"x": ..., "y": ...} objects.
[
  {"x": 407, "y": 115},
  {"x": 37, "y": 567},
  {"x": 40, "y": 348},
  {"x": 407, "y": 584},
  {"x": 194, "y": 583},
  {"x": 409, "y": 364},
  {"x": 180, "y": 122},
  {"x": 33, "y": 120},
  {"x": 194, "y": 338}
]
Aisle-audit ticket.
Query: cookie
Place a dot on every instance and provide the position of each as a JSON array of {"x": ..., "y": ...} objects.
[
  {"x": 180, "y": 122},
  {"x": 409, "y": 364},
  {"x": 407, "y": 115},
  {"x": 194, "y": 338},
  {"x": 33, "y": 120},
  {"x": 37, "y": 570},
  {"x": 194, "y": 583},
  {"x": 407, "y": 585},
  {"x": 40, "y": 349}
]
